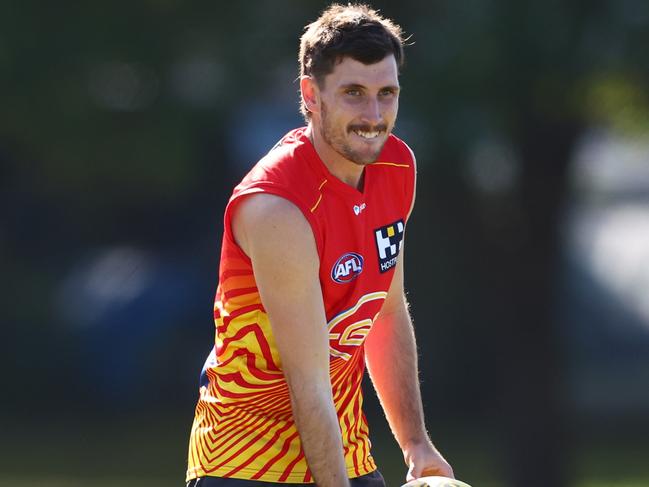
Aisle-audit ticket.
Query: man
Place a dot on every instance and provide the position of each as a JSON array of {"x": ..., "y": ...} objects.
[{"x": 311, "y": 283}]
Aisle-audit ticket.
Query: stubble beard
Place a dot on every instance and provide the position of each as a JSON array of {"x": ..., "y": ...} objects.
[{"x": 336, "y": 140}]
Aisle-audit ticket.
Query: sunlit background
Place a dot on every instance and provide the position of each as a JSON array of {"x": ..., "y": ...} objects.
[{"x": 125, "y": 125}]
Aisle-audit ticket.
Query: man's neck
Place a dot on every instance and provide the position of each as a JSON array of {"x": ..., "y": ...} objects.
[{"x": 342, "y": 168}]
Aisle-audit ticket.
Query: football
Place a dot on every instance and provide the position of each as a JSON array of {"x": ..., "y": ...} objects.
[{"x": 435, "y": 482}]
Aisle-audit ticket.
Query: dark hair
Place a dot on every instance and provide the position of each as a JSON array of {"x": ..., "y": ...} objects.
[{"x": 353, "y": 30}]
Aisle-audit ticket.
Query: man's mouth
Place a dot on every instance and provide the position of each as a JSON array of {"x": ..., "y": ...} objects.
[{"x": 367, "y": 133}]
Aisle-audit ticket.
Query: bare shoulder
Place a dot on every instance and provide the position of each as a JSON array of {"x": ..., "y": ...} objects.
[
  {"x": 261, "y": 207},
  {"x": 266, "y": 219}
]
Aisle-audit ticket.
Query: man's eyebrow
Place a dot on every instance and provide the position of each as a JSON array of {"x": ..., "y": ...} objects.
[
  {"x": 348, "y": 86},
  {"x": 357, "y": 86}
]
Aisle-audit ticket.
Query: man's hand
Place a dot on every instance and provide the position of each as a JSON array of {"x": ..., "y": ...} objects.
[{"x": 423, "y": 460}]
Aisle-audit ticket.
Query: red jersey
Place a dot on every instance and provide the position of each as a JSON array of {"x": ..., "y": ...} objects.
[{"x": 243, "y": 427}]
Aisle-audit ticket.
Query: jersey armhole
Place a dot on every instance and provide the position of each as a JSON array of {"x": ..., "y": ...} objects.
[
  {"x": 411, "y": 182},
  {"x": 267, "y": 188}
]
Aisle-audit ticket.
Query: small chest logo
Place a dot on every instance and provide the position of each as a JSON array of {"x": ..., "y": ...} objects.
[
  {"x": 347, "y": 267},
  {"x": 388, "y": 244},
  {"x": 359, "y": 208}
]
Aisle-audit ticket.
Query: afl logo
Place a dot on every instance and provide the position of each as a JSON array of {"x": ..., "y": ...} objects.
[{"x": 347, "y": 268}]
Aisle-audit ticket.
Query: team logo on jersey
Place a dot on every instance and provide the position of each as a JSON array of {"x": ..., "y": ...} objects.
[
  {"x": 349, "y": 328},
  {"x": 347, "y": 267},
  {"x": 388, "y": 244},
  {"x": 359, "y": 208}
]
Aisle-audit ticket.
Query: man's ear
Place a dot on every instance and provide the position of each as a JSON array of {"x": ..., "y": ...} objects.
[{"x": 310, "y": 93}]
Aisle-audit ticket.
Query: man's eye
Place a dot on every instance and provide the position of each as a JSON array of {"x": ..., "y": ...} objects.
[
  {"x": 353, "y": 92},
  {"x": 387, "y": 92}
]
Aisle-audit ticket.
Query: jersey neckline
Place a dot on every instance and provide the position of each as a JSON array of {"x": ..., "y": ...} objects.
[{"x": 332, "y": 181}]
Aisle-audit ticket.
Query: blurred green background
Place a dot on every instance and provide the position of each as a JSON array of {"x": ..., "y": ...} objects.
[{"x": 124, "y": 126}]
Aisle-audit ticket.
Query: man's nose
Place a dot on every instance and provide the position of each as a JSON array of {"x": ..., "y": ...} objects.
[{"x": 372, "y": 111}]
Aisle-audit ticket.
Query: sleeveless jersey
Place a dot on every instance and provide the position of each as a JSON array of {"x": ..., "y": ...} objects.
[{"x": 243, "y": 426}]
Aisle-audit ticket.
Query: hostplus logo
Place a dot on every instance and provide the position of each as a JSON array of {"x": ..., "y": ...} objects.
[{"x": 388, "y": 244}]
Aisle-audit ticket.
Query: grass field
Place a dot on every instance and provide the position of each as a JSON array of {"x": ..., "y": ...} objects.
[{"x": 151, "y": 452}]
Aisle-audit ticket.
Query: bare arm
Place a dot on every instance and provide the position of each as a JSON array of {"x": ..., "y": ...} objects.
[
  {"x": 280, "y": 243},
  {"x": 392, "y": 341}
]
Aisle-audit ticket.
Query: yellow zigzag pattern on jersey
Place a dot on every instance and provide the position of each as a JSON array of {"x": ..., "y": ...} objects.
[
  {"x": 243, "y": 425},
  {"x": 227, "y": 441}
]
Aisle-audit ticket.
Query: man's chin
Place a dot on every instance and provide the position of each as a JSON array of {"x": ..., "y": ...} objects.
[
  {"x": 361, "y": 158},
  {"x": 365, "y": 158},
  {"x": 365, "y": 161}
]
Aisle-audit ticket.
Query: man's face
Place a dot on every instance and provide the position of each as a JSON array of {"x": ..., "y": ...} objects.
[{"x": 359, "y": 105}]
